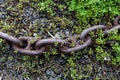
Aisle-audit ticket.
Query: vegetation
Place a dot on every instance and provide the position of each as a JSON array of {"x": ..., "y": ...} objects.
[
  {"x": 46, "y": 6},
  {"x": 85, "y": 13},
  {"x": 94, "y": 11}
]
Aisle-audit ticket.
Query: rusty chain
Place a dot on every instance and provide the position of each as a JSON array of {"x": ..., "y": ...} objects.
[{"x": 35, "y": 46}]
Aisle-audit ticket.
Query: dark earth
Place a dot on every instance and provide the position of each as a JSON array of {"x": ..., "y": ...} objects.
[{"x": 27, "y": 20}]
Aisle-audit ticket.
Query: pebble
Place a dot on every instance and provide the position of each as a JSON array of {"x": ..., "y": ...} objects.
[
  {"x": 50, "y": 73},
  {"x": 3, "y": 17},
  {"x": 60, "y": 62},
  {"x": 51, "y": 78},
  {"x": 67, "y": 32},
  {"x": 107, "y": 58},
  {"x": 1, "y": 1},
  {"x": 61, "y": 75},
  {"x": 90, "y": 78},
  {"x": 34, "y": 34}
]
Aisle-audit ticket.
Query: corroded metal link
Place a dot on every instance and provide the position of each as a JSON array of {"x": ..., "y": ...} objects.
[
  {"x": 28, "y": 49},
  {"x": 86, "y": 31},
  {"x": 10, "y": 38},
  {"x": 112, "y": 29},
  {"x": 29, "y": 52},
  {"x": 77, "y": 48},
  {"x": 116, "y": 21},
  {"x": 34, "y": 46},
  {"x": 45, "y": 42}
]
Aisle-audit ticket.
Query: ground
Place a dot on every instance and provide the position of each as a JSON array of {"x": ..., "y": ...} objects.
[{"x": 37, "y": 19}]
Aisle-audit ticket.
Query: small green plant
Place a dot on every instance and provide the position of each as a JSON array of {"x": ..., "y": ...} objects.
[
  {"x": 72, "y": 65},
  {"x": 107, "y": 48},
  {"x": 5, "y": 27},
  {"x": 78, "y": 72},
  {"x": 116, "y": 49},
  {"x": 1, "y": 41},
  {"x": 101, "y": 54},
  {"x": 94, "y": 11},
  {"x": 25, "y": 1},
  {"x": 45, "y": 6},
  {"x": 61, "y": 7},
  {"x": 115, "y": 46}
]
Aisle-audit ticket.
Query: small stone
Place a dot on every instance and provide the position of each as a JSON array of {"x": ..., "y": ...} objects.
[
  {"x": 90, "y": 78},
  {"x": 50, "y": 73},
  {"x": 51, "y": 78},
  {"x": 34, "y": 34},
  {"x": 61, "y": 62},
  {"x": 1, "y": 1},
  {"x": 67, "y": 33},
  {"x": 57, "y": 36},
  {"x": 107, "y": 58},
  {"x": 60, "y": 75}
]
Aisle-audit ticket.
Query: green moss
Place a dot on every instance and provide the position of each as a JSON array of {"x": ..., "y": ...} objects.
[
  {"x": 106, "y": 47},
  {"x": 5, "y": 26},
  {"x": 3, "y": 59},
  {"x": 1, "y": 41},
  {"x": 20, "y": 6},
  {"x": 45, "y": 6},
  {"x": 93, "y": 12},
  {"x": 10, "y": 58},
  {"x": 116, "y": 50},
  {"x": 61, "y": 7},
  {"x": 77, "y": 71},
  {"x": 62, "y": 22},
  {"x": 24, "y": 1},
  {"x": 77, "y": 29}
]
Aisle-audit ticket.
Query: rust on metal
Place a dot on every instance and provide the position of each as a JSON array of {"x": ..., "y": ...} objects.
[
  {"x": 51, "y": 41},
  {"x": 116, "y": 21},
  {"x": 35, "y": 46},
  {"x": 10, "y": 38},
  {"x": 29, "y": 52},
  {"x": 77, "y": 48},
  {"x": 28, "y": 48},
  {"x": 112, "y": 29},
  {"x": 86, "y": 31}
]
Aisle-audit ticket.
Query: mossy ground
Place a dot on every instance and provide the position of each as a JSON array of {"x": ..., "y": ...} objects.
[{"x": 36, "y": 18}]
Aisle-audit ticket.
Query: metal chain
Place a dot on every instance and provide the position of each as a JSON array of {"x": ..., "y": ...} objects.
[
  {"x": 28, "y": 49},
  {"x": 11, "y": 39},
  {"x": 34, "y": 46},
  {"x": 44, "y": 42},
  {"x": 87, "y": 43},
  {"x": 116, "y": 21}
]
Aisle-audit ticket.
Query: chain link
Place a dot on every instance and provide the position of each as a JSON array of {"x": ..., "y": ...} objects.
[
  {"x": 44, "y": 42},
  {"x": 86, "y": 32},
  {"x": 11, "y": 39},
  {"x": 35, "y": 46},
  {"x": 112, "y": 29},
  {"x": 87, "y": 43},
  {"x": 116, "y": 21},
  {"x": 28, "y": 49}
]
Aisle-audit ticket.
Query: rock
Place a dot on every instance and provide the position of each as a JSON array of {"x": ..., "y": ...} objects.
[
  {"x": 51, "y": 78},
  {"x": 1, "y": 1},
  {"x": 61, "y": 75},
  {"x": 50, "y": 73}
]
